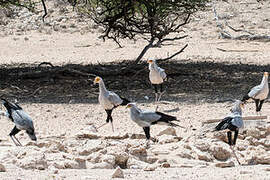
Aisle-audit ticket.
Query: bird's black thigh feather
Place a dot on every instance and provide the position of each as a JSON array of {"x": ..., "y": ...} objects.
[
  {"x": 156, "y": 88},
  {"x": 147, "y": 132},
  {"x": 229, "y": 135},
  {"x": 257, "y": 101},
  {"x": 14, "y": 131},
  {"x": 161, "y": 88},
  {"x": 235, "y": 136},
  {"x": 109, "y": 115},
  {"x": 245, "y": 98},
  {"x": 260, "y": 105}
]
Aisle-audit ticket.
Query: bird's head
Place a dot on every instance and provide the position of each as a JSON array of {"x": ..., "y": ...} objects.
[
  {"x": 265, "y": 74},
  {"x": 130, "y": 105},
  {"x": 97, "y": 80},
  {"x": 150, "y": 61},
  {"x": 3, "y": 100}
]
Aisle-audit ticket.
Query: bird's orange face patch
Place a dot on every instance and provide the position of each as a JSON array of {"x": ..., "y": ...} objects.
[
  {"x": 128, "y": 106},
  {"x": 265, "y": 73},
  {"x": 242, "y": 106},
  {"x": 97, "y": 79},
  {"x": 150, "y": 61}
]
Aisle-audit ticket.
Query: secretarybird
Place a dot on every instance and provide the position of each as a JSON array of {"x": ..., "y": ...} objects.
[
  {"x": 108, "y": 100},
  {"x": 21, "y": 120}
]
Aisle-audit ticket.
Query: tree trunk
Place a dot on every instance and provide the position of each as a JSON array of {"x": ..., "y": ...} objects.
[{"x": 145, "y": 49}]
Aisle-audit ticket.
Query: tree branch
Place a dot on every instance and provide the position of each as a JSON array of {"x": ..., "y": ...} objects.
[{"x": 175, "y": 54}]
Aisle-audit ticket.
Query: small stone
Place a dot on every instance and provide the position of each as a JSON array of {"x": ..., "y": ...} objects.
[
  {"x": 118, "y": 173},
  {"x": 166, "y": 165},
  {"x": 150, "y": 167},
  {"x": 267, "y": 169},
  {"x": 225, "y": 164},
  {"x": 2, "y": 168},
  {"x": 101, "y": 165},
  {"x": 168, "y": 131}
]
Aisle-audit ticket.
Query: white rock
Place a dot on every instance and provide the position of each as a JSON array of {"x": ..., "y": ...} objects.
[
  {"x": 150, "y": 167},
  {"x": 225, "y": 164},
  {"x": 84, "y": 134},
  {"x": 202, "y": 145},
  {"x": 34, "y": 160},
  {"x": 90, "y": 147},
  {"x": 108, "y": 159},
  {"x": 168, "y": 131},
  {"x": 94, "y": 157},
  {"x": 163, "y": 139},
  {"x": 118, "y": 173},
  {"x": 101, "y": 165},
  {"x": 204, "y": 156},
  {"x": 133, "y": 163},
  {"x": 136, "y": 136},
  {"x": 2, "y": 168},
  {"x": 141, "y": 150},
  {"x": 116, "y": 136},
  {"x": 74, "y": 164},
  {"x": 220, "y": 151}
]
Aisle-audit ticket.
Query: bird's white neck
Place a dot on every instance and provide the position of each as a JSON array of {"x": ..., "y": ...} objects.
[
  {"x": 152, "y": 66},
  {"x": 264, "y": 80},
  {"x": 135, "y": 109},
  {"x": 102, "y": 87}
]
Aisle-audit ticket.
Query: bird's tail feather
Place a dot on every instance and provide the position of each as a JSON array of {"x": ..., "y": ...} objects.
[
  {"x": 245, "y": 98},
  {"x": 125, "y": 101},
  {"x": 173, "y": 124}
]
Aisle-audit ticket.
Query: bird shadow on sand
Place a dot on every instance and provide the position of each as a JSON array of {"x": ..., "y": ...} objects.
[{"x": 188, "y": 82}]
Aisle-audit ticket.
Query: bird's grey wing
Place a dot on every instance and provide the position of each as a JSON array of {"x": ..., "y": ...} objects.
[
  {"x": 162, "y": 73},
  {"x": 114, "y": 98},
  {"x": 254, "y": 91},
  {"x": 149, "y": 116},
  {"x": 22, "y": 119}
]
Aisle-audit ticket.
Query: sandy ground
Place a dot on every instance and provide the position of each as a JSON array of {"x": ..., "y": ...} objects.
[{"x": 66, "y": 119}]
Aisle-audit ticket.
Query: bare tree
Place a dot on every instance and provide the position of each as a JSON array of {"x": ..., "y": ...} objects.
[{"x": 152, "y": 20}]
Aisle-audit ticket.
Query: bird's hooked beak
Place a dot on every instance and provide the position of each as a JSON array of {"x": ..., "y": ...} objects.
[
  {"x": 128, "y": 106},
  {"x": 150, "y": 61},
  {"x": 265, "y": 74},
  {"x": 97, "y": 80},
  {"x": 242, "y": 105}
]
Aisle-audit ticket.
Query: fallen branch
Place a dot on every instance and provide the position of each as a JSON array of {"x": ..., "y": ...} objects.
[
  {"x": 248, "y": 118},
  {"x": 45, "y": 10},
  {"x": 175, "y": 54},
  {"x": 46, "y": 63},
  {"x": 235, "y": 50}
]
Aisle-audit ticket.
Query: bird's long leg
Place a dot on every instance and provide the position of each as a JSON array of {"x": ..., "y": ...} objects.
[
  {"x": 108, "y": 119},
  {"x": 17, "y": 141},
  {"x": 235, "y": 137},
  {"x": 232, "y": 146},
  {"x": 229, "y": 135},
  {"x": 13, "y": 132},
  {"x": 260, "y": 106},
  {"x": 235, "y": 155},
  {"x": 102, "y": 125},
  {"x": 112, "y": 125},
  {"x": 156, "y": 92},
  {"x": 14, "y": 141},
  {"x": 147, "y": 134},
  {"x": 161, "y": 92}
]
